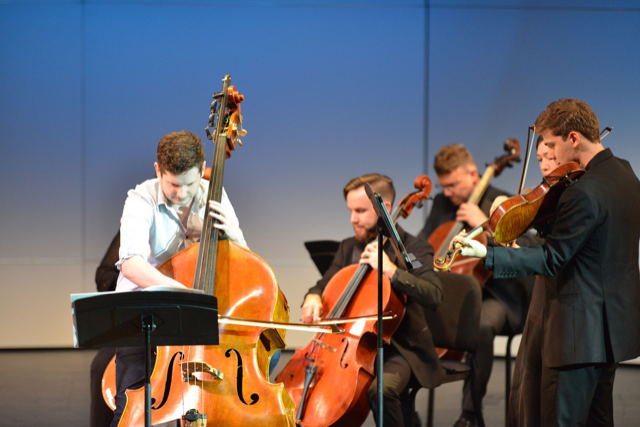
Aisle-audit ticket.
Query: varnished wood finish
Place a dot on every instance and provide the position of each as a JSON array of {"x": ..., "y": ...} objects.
[
  {"x": 338, "y": 394},
  {"x": 248, "y": 293},
  {"x": 535, "y": 208}
]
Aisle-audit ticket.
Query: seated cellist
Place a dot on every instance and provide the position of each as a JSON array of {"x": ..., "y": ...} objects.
[
  {"x": 161, "y": 217},
  {"x": 410, "y": 360}
]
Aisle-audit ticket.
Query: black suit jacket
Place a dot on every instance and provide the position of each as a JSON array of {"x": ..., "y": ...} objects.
[
  {"x": 591, "y": 312},
  {"x": 514, "y": 294},
  {"x": 423, "y": 290}
]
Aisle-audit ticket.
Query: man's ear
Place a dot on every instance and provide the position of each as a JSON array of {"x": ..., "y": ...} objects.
[
  {"x": 574, "y": 138},
  {"x": 158, "y": 171},
  {"x": 388, "y": 205},
  {"x": 474, "y": 172}
]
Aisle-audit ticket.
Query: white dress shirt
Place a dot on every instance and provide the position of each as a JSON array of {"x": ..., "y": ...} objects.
[{"x": 151, "y": 229}]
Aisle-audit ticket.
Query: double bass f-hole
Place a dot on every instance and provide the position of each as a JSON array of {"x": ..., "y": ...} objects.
[
  {"x": 254, "y": 396},
  {"x": 167, "y": 384}
]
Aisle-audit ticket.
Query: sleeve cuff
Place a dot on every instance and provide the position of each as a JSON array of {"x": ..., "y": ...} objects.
[{"x": 488, "y": 260}]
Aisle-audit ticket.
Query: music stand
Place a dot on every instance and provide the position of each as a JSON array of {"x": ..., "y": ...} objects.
[
  {"x": 126, "y": 319},
  {"x": 386, "y": 228},
  {"x": 322, "y": 253}
]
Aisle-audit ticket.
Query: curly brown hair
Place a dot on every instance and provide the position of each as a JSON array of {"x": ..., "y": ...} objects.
[
  {"x": 179, "y": 152},
  {"x": 451, "y": 157},
  {"x": 380, "y": 183},
  {"x": 566, "y": 115}
]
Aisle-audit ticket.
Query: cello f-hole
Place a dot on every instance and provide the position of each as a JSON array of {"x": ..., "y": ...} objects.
[
  {"x": 254, "y": 396},
  {"x": 344, "y": 352}
]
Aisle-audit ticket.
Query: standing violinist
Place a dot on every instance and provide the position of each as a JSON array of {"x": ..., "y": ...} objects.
[
  {"x": 504, "y": 302},
  {"x": 161, "y": 217},
  {"x": 591, "y": 318},
  {"x": 411, "y": 358}
]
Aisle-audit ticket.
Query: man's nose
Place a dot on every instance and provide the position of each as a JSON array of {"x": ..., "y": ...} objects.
[{"x": 448, "y": 192}]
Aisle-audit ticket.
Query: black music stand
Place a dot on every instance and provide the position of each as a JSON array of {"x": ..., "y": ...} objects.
[
  {"x": 126, "y": 319},
  {"x": 386, "y": 228}
]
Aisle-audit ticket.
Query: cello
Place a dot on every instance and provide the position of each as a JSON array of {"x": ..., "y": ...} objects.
[
  {"x": 226, "y": 384},
  {"x": 442, "y": 235},
  {"x": 329, "y": 378}
]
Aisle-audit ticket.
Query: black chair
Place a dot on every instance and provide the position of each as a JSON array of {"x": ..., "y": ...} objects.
[{"x": 454, "y": 325}]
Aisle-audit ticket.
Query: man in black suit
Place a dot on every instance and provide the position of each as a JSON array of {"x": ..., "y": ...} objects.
[
  {"x": 410, "y": 359},
  {"x": 591, "y": 318},
  {"x": 504, "y": 302}
]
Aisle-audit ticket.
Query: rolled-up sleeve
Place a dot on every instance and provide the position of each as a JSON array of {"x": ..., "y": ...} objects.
[{"x": 135, "y": 226}]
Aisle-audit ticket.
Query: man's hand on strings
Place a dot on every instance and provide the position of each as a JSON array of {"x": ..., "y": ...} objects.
[
  {"x": 312, "y": 309},
  {"x": 370, "y": 256},
  {"x": 471, "y": 214},
  {"x": 227, "y": 225}
]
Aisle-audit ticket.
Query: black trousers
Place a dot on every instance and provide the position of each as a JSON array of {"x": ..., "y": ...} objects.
[
  {"x": 130, "y": 374},
  {"x": 101, "y": 414},
  {"x": 396, "y": 377},
  {"x": 580, "y": 395},
  {"x": 493, "y": 320}
]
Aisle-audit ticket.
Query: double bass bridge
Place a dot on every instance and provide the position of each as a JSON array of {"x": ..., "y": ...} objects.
[{"x": 191, "y": 368}]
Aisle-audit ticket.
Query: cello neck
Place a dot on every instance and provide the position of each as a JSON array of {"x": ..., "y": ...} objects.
[
  {"x": 475, "y": 198},
  {"x": 481, "y": 188}
]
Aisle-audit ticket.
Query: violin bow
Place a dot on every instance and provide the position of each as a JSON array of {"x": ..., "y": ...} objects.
[{"x": 531, "y": 133}]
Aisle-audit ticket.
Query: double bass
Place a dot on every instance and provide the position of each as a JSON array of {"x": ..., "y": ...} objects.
[
  {"x": 226, "y": 384},
  {"x": 329, "y": 378}
]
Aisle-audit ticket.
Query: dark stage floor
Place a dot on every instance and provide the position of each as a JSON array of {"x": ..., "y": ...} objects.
[{"x": 52, "y": 388}]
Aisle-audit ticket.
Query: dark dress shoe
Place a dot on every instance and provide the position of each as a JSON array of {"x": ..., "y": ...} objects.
[{"x": 465, "y": 422}]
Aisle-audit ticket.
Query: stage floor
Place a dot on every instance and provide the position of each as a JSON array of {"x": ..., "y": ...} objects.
[{"x": 51, "y": 387}]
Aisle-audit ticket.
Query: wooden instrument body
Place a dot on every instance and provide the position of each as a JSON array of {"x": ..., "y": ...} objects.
[
  {"x": 536, "y": 208},
  {"x": 338, "y": 394},
  {"x": 245, "y": 287}
]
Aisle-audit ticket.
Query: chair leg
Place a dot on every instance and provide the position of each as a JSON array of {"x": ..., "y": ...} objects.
[
  {"x": 408, "y": 402},
  {"x": 507, "y": 392},
  {"x": 477, "y": 406},
  {"x": 432, "y": 398}
]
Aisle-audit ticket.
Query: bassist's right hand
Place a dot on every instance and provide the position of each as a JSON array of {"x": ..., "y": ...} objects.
[{"x": 312, "y": 308}]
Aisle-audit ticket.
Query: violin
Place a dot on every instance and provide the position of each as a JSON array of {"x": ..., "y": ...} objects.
[
  {"x": 329, "y": 378},
  {"x": 442, "y": 235}
]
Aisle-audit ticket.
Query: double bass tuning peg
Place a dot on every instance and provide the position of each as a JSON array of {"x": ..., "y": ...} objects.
[{"x": 238, "y": 130}]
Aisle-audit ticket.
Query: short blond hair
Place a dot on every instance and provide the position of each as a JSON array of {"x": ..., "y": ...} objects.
[
  {"x": 380, "y": 183},
  {"x": 451, "y": 157}
]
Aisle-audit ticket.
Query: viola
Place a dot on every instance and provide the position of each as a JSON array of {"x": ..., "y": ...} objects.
[
  {"x": 445, "y": 233},
  {"x": 513, "y": 217},
  {"x": 535, "y": 209},
  {"x": 329, "y": 378}
]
